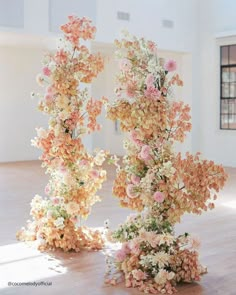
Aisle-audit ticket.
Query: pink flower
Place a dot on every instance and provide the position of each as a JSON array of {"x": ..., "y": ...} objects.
[
  {"x": 130, "y": 90},
  {"x": 152, "y": 47},
  {"x": 55, "y": 201},
  {"x": 158, "y": 197},
  {"x": 149, "y": 80},
  {"x": 47, "y": 189},
  {"x": 94, "y": 174},
  {"x": 145, "y": 152},
  {"x": 130, "y": 190},
  {"x": 74, "y": 219},
  {"x": 61, "y": 57},
  {"x": 134, "y": 247},
  {"x": 139, "y": 275},
  {"x": 83, "y": 162},
  {"x": 63, "y": 169},
  {"x": 170, "y": 65},
  {"x": 120, "y": 255},
  {"x": 134, "y": 137},
  {"x": 135, "y": 179},
  {"x": 125, "y": 64},
  {"x": 152, "y": 92},
  {"x": 46, "y": 71},
  {"x": 49, "y": 90},
  {"x": 49, "y": 98},
  {"x": 194, "y": 243}
]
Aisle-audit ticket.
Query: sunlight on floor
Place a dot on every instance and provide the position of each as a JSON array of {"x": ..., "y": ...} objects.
[{"x": 21, "y": 263}]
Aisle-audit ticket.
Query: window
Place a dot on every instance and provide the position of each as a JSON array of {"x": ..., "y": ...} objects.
[{"x": 228, "y": 87}]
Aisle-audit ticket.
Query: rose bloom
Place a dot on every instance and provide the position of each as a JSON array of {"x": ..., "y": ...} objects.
[
  {"x": 134, "y": 137},
  {"x": 130, "y": 190},
  {"x": 145, "y": 152},
  {"x": 55, "y": 200},
  {"x": 125, "y": 65},
  {"x": 135, "y": 179},
  {"x": 170, "y": 65},
  {"x": 158, "y": 197}
]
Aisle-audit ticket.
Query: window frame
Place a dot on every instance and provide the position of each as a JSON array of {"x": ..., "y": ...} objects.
[{"x": 222, "y": 66}]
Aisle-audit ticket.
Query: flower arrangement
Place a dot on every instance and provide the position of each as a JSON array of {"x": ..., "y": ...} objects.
[
  {"x": 75, "y": 174},
  {"x": 154, "y": 180}
]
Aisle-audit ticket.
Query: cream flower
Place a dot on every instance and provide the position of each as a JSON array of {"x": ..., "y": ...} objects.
[
  {"x": 72, "y": 208},
  {"x": 161, "y": 258},
  {"x": 100, "y": 158},
  {"x": 163, "y": 276},
  {"x": 59, "y": 223}
]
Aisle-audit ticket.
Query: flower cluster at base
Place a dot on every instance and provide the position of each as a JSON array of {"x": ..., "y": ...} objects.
[
  {"x": 151, "y": 257},
  {"x": 75, "y": 174},
  {"x": 154, "y": 179}
]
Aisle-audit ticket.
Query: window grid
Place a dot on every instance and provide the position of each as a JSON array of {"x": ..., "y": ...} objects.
[{"x": 228, "y": 87}]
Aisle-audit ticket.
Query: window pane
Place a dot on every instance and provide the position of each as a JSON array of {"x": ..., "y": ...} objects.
[
  {"x": 225, "y": 89},
  {"x": 224, "y": 55},
  {"x": 232, "y": 106},
  {"x": 232, "y": 121},
  {"x": 232, "y": 54},
  {"x": 225, "y": 75},
  {"x": 232, "y": 90},
  {"x": 232, "y": 74},
  {"x": 224, "y": 106},
  {"x": 224, "y": 121}
]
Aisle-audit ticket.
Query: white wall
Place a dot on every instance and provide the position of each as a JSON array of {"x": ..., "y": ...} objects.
[
  {"x": 145, "y": 20},
  {"x": 217, "y": 18},
  {"x": 180, "y": 42},
  {"x": 18, "y": 114}
]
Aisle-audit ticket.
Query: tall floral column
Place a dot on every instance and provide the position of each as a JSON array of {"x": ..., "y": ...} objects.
[
  {"x": 75, "y": 174},
  {"x": 154, "y": 180}
]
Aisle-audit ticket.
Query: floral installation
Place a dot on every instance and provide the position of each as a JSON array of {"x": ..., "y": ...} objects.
[
  {"x": 153, "y": 179},
  {"x": 75, "y": 174}
]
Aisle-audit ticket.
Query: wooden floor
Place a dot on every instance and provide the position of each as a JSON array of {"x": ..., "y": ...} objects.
[{"x": 82, "y": 273}]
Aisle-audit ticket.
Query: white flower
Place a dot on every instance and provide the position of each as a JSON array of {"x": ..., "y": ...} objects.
[
  {"x": 36, "y": 202},
  {"x": 167, "y": 169},
  {"x": 49, "y": 214},
  {"x": 163, "y": 276},
  {"x": 161, "y": 258},
  {"x": 59, "y": 222},
  {"x": 100, "y": 158},
  {"x": 72, "y": 208},
  {"x": 167, "y": 239}
]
